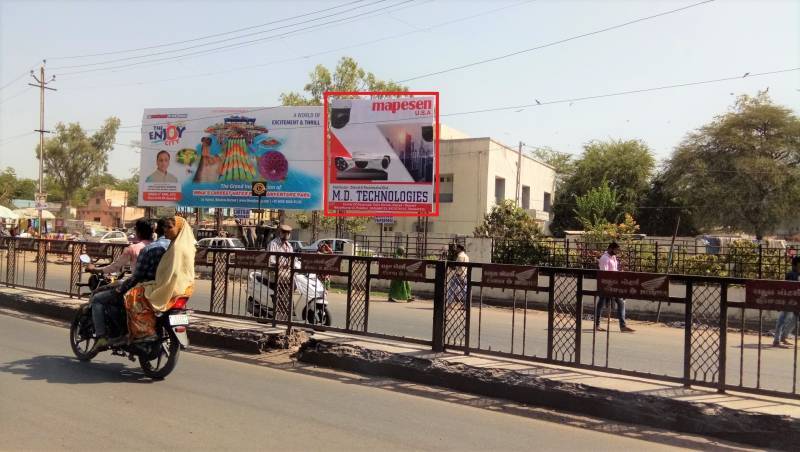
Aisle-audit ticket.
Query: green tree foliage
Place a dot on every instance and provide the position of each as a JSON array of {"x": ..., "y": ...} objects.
[
  {"x": 516, "y": 235},
  {"x": 561, "y": 161},
  {"x": 662, "y": 209},
  {"x": 12, "y": 187},
  {"x": 741, "y": 168},
  {"x": 72, "y": 158},
  {"x": 598, "y": 207},
  {"x": 627, "y": 166},
  {"x": 348, "y": 76}
]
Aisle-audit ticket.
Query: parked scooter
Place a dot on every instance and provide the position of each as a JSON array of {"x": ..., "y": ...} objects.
[
  {"x": 157, "y": 356},
  {"x": 313, "y": 298}
]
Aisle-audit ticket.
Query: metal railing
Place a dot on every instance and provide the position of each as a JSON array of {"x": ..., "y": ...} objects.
[
  {"x": 417, "y": 246},
  {"x": 719, "y": 341}
]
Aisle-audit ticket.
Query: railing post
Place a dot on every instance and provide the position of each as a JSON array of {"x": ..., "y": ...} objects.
[
  {"x": 723, "y": 335},
  {"x": 579, "y": 318},
  {"x": 11, "y": 263},
  {"x": 439, "y": 307},
  {"x": 655, "y": 260},
  {"x": 760, "y": 260},
  {"x": 349, "y": 293},
  {"x": 41, "y": 263},
  {"x": 687, "y": 339},
  {"x": 468, "y": 306},
  {"x": 550, "y": 304},
  {"x": 566, "y": 253}
]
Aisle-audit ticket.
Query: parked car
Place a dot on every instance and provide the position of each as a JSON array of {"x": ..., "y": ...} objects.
[
  {"x": 338, "y": 246},
  {"x": 221, "y": 242},
  {"x": 297, "y": 245},
  {"x": 103, "y": 236}
]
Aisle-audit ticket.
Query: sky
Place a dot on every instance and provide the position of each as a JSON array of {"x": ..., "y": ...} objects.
[{"x": 401, "y": 40}]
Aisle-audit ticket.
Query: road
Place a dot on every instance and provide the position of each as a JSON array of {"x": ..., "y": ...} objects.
[
  {"x": 653, "y": 348},
  {"x": 51, "y": 401}
]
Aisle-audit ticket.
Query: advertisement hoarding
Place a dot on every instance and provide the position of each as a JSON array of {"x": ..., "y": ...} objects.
[
  {"x": 381, "y": 154},
  {"x": 209, "y": 157}
]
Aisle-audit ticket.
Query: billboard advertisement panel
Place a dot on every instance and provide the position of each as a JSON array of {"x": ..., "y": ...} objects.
[
  {"x": 381, "y": 154},
  {"x": 209, "y": 157}
]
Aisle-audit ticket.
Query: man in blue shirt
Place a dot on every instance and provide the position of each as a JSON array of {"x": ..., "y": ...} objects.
[
  {"x": 786, "y": 319},
  {"x": 145, "y": 270}
]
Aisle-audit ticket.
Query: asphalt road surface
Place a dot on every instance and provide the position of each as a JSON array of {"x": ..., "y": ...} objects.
[
  {"x": 653, "y": 348},
  {"x": 51, "y": 401}
]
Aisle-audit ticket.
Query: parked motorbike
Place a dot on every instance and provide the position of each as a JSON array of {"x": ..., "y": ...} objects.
[
  {"x": 157, "y": 357},
  {"x": 313, "y": 298}
]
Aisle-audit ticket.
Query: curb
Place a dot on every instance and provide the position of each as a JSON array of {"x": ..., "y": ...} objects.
[{"x": 758, "y": 429}]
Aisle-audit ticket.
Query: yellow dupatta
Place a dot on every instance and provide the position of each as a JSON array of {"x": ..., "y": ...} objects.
[{"x": 175, "y": 273}]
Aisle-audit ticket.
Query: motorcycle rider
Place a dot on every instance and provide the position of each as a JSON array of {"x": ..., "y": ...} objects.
[
  {"x": 114, "y": 294},
  {"x": 144, "y": 234},
  {"x": 280, "y": 245}
]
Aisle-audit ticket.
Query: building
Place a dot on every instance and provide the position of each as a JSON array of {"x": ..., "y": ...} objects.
[
  {"x": 52, "y": 207},
  {"x": 110, "y": 208},
  {"x": 475, "y": 174}
]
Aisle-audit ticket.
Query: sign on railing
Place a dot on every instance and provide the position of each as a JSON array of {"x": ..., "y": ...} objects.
[
  {"x": 639, "y": 286},
  {"x": 772, "y": 295},
  {"x": 59, "y": 247},
  {"x": 320, "y": 263},
  {"x": 510, "y": 276},
  {"x": 404, "y": 269},
  {"x": 26, "y": 245},
  {"x": 250, "y": 259}
]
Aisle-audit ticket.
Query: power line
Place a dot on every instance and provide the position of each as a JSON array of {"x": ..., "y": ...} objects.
[
  {"x": 15, "y": 95},
  {"x": 237, "y": 45},
  {"x": 550, "y": 44},
  {"x": 15, "y": 137},
  {"x": 200, "y": 38},
  {"x": 307, "y": 56},
  {"x": 100, "y": 63}
]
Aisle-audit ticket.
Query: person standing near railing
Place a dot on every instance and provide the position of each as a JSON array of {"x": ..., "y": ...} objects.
[
  {"x": 280, "y": 244},
  {"x": 400, "y": 290},
  {"x": 609, "y": 263},
  {"x": 787, "y": 319}
]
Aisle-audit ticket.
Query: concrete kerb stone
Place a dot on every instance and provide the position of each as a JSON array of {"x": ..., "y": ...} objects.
[{"x": 762, "y": 430}]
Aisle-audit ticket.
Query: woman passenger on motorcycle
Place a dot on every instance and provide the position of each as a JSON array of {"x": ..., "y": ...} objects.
[
  {"x": 175, "y": 274},
  {"x": 145, "y": 270}
]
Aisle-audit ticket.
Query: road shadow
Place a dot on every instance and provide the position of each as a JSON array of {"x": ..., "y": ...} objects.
[
  {"x": 284, "y": 360},
  {"x": 68, "y": 370}
]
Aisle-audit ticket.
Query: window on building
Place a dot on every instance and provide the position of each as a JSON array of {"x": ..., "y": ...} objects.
[
  {"x": 388, "y": 228},
  {"x": 97, "y": 219},
  {"x": 446, "y": 188},
  {"x": 526, "y": 197},
  {"x": 97, "y": 201},
  {"x": 547, "y": 201},
  {"x": 499, "y": 190}
]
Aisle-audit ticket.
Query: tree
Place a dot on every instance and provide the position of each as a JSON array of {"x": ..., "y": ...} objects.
[
  {"x": 598, "y": 207},
  {"x": 515, "y": 232},
  {"x": 72, "y": 158},
  {"x": 8, "y": 183},
  {"x": 348, "y": 76},
  {"x": 742, "y": 169},
  {"x": 627, "y": 166},
  {"x": 662, "y": 209},
  {"x": 26, "y": 189},
  {"x": 130, "y": 185},
  {"x": 561, "y": 161}
]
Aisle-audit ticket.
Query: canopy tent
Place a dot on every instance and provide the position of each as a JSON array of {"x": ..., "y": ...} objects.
[
  {"x": 7, "y": 214},
  {"x": 33, "y": 213}
]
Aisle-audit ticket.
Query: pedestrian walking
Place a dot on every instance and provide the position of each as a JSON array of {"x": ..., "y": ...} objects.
[
  {"x": 787, "y": 320},
  {"x": 400, "y": 290},
  {"x": 458, "y": 281},
  {"x": 608, "y": 262}
]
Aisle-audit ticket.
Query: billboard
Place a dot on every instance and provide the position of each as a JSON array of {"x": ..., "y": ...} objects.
[
  {"x": 381, "y": 154},
  {"x": 209, "y": 157}
]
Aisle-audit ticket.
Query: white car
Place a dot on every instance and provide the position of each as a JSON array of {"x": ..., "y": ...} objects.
[
  {"x": 110, "y": 237},
  {"x": 363, "y": 160},
  {"x": 230, "y": 243}
]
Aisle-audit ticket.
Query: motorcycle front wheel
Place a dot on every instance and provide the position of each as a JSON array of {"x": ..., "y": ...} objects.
[
  {"x": 318, "y": 315},
  {"x": 166, "y": 357},
  {"x": 81, "y": 334}
]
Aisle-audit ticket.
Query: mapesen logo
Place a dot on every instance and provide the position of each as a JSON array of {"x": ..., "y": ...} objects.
[{"x": 169, "y": 134}]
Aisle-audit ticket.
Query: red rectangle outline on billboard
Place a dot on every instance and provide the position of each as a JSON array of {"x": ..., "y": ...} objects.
[{"x": 326, "y": 151}]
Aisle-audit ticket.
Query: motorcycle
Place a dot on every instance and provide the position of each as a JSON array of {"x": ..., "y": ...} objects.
[
  {"x": 312, "y": 297},
  {"x": 157, "y": 356}
]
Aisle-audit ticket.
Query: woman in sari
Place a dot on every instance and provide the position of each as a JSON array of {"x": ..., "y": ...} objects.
[
  {"x": 174, "y": 279},
  {"x": 400, "y": 291}
]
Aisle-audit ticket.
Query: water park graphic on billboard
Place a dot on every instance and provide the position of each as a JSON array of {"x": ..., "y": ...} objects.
[
  {"x": 382, "y": 155},
  {"x": 210, "y": 157}
]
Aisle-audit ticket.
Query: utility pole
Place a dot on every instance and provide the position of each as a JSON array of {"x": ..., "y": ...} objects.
[
  {"x": 519, "y": 171},
  {"x": 41, "y": 83}
]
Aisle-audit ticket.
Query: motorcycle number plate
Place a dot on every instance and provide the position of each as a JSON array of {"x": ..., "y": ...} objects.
[{"x": 179, "y": 319}]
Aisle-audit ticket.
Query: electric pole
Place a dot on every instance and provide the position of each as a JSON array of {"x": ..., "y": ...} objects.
[
  {"x": 41, "y": 83},
  {"x": 519, "y": 171}
]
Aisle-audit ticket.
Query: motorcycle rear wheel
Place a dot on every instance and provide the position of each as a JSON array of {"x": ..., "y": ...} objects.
[
  {"x": 82, "y": 352},
  {"x": 318, "y": 316},
  {"x": 167, "y": 358}
]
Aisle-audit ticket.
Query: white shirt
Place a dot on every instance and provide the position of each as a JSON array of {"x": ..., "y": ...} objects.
[
  {"x": 608, "y": 262},
  {"x": 158, "y": 176},
  {"x": 279, "y": 246},
  {"x": 462, "y": 257}
]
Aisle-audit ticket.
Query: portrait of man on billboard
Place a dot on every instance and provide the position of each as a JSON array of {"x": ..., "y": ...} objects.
[{"x": 161, "y": 174}]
